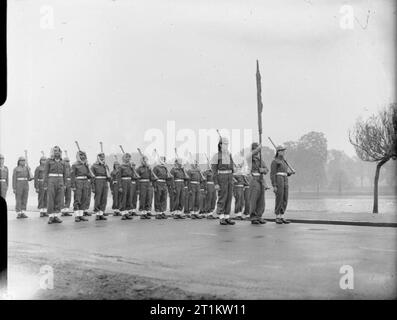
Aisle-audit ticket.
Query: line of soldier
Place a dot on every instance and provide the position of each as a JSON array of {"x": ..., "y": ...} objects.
[{"x": 192, "y": 193}]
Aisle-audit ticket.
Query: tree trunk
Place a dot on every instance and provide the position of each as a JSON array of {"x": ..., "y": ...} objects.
[{"x": 376, "y": 180}]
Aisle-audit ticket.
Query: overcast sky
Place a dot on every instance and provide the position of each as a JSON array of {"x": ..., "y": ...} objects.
[{"x": 110, "y": 70}]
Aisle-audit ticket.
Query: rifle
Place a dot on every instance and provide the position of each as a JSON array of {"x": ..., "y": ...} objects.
[
  {"x": 132, "y": 167},
  {"x": 106, "y": 166},
  {"x": 260, "y": 108},
  {"x": 27, "y": 165},
  {"x": 183, "y": 169},
  {"x": 293, "y": 171},
  {"x": 142, "y": 155},
  {"x": 169, "y": 175}
]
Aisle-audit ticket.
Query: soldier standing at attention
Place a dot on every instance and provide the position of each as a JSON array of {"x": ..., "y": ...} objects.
[
  {"x": 210, "y": 199},
  {"x": 186, "y": 192},
  {"x": 54, "y": 183},
  {"x": 68, "y": 188},
  {"x": 202, "y": 196},
  {"x": 279, "y": 174},
  {"x": 178, "y": 175},
  {"x": 39, "y": 187},
  {"x": 161, "y": 188},
  {"x": 222, "y": 167},
  {"x": 145, "y": 188},
  {"x": 125, "y": 175},
  {"x": 239, "y": 184},
  {"x": 20, "y": 185},
  {"x": 100, "y": 186},
  {"x": 257, "y": 187},
  {"x": 80, "y": 175},
  {"x": 134, "y": 190},
  {"x": 195, "y": 180},
  {"x": 3, "y": 178},
  {"x": 114, "y": 187},
  {"x": 246, "y": 196}
]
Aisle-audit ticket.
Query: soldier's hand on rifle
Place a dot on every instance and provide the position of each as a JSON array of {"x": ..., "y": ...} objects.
[
  {"x": 15, "y": 191},
  {"x": 275, "y": 189},
  {"x": 120, "y": 189},
  {"x": 37, "y": 190},
  {"x": 217, "y": 187}
]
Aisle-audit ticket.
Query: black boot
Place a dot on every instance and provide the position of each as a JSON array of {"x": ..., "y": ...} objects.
[
  {"x": 230, "y": 221},
  {"x": 223, "y": 222}
]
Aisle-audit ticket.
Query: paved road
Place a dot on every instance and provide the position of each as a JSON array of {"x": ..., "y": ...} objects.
[{"x": 295, "y": 261}]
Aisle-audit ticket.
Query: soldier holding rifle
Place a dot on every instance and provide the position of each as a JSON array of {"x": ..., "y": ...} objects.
[
  {"x": 68, "y": 186},
  {"x": 3, "y": 178},
  {"x": 280, "y": 170},
  {"x": 145, "y": 187},
  {"x": 179, "y": 178},
  {"x": 39, "y": 187},
  {"x": 80, "y": 175},
  {"x": 100, "y": 187},
  {"x": 161, "y": 188},
  {"x": 124, "y": 178},
  {"x": 114, "y": 187},
  {"x": 210, "y": 199}
]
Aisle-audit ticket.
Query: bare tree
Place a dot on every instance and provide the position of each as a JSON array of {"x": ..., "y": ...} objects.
[{"x": 374, "y": 140}]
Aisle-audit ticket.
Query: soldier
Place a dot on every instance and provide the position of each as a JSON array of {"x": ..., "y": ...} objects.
[
  {"x": 186, "y": 192},
  {"x": 100, "y": 187},
  {"x": 114, "y": 186},
  {"x": 202, "y": 196},
  {"x": 135, "y": 190},
  {"x": 179, "y": 177},
  {"x": 54, "y": 183},
  {"x": 68, "y": 188},
  {"x": 86, "y": 213},
  {"x": 246, "y": 196},
  {"x": 80, "y": 179},
  {"x": 238, "y": 188},
  {"x": 222, "y": 167},
  {"x": 145, "y": 188},
  {"x": 171, "y": 193},
  {"x": 279, "y": 174},
  {"x": 125, "y": 176},
  {"x": 210, "y": 199},
  {"x": 161, "y": 188},
  {"x": 3, "y": 178},
  {"x": 39, "y": 187},
  {"x": 20, "y": 185},
  {"x": 195, "y": 180},
  {"x": 257, "y": 186}
]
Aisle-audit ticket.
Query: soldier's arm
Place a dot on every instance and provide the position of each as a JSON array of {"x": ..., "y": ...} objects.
[
  {"x": 273, "y": 171},
  {"x": 14, "y": 179},
  {"x": 214, "y": 168},
  {"x": 65, "y": 174},
  {"x": 265, "y": 169},
  {"x": 73, "y": 176},
  {"x": 36, "y": 178},
  {"x": 6, "y": 176}
]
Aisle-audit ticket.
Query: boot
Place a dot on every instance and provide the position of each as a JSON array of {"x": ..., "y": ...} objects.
[
  {"x": 76, "y": 219},
  {"x": 97, "y": 218},
  {"x": 211, "y": 216},
  {"x": 158, "y": 216},
  {"x": 230, "y": 221},
  {"x": 223, "y": 222},
  {"x": 41, "y": 214},
  {"x": 278, "y": 221},
  {"x": 255, "y": 221},
  {"x": 57, "y": 220},
  {"x": 51, "y": 220},
  {"x": 87, "y": 214},
  {"x": 102, "y": 217},
  {"x": 164, "y": 216},
  {"x": 116, "y": 213},
  {"x": 82, "y": 218},
  {"x": 262, "y": 221},
  {"x": 285, "y": 221},
  {"x": 23, "y": 215}
]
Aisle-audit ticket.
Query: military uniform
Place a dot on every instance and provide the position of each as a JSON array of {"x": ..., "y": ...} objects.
[
  {"x": 54, "y": 182},
  {"x": 20, "y": 184},
  {"x": 246, "y": 196},
  {"x": 161, "y": 190},
  {"x": 145, "y": 190},
  {"x": 257, "y": 185},
  {"x": 115, "y": 186},
  {"x": 279, "y": 174},
  {"x": 202, "y": 197},
  {"x": 39, "y": 187},
  {"x": 195, "y": 180},
  {"x": 125, "y": 177},
  {"x": 101, "y": 177},
  {"x": 3, "y": 178},
  {"x": 223, "y": 167},
  {"x": 134, "y": 191},
  {"x": 68, "y": 188},
  {"x": 238, "y": 188},
  {"x": 80, "y": 179},
  {"x": 179, "y": 177}
]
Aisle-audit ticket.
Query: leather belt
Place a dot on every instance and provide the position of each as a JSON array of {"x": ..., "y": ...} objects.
[
  {"x": 22, "y": 179},
  {"x": 224, "y": 171},
  {"x": 144, "y": 180},
  {"x": 55, "y": 175},
  {"x": 282, "y": 174},
  {"x": 179, "y": 180},
  {"x": 81, "y": 178},
  {"x": 256, "y": 174},
  {"x": 125, "y": 178},
  {"x": 239, "y": 185},
  {"x": 160, "y": 180},
  {"x": 210, "y": 182},
  {"x": 194, "y": 182},
  {"x": 100, "y": 177},
  {"x": 3, "y": 180}
]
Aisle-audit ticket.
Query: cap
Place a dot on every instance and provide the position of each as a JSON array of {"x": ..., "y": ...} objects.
[{"x": 280, "y": 148}]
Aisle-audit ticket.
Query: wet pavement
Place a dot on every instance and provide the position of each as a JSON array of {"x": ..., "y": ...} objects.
[{"x": 244, "y": 261}]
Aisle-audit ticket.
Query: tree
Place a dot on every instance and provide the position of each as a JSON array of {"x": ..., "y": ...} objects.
[
  {"x": 374, "y": 140},
  {"x": 312, "y": 151}
]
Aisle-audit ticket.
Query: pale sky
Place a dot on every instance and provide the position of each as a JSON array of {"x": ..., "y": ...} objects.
[{"x": 110, "y": 70}]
